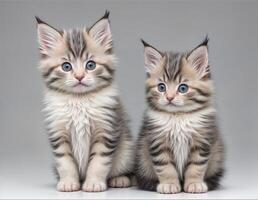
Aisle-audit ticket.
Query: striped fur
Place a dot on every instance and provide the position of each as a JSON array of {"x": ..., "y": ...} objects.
[
  {"x": 179, "y": 146},
  {"x": 87, "y": 125}
]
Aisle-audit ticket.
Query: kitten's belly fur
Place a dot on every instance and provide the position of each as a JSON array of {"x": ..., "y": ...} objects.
[{"x": 76, "y": 115}]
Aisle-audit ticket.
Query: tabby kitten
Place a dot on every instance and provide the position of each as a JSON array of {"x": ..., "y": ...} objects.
[
  {"x": 179, "y": 145},
  {"x": 86, "y": 122}
]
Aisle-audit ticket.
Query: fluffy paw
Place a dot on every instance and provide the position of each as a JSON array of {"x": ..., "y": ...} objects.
[
  {"x": 94, "y": 186},
  {"x": 119, "y": 182},
  {"x": 168, "y": 188},
  {"x": 197, "y": 187},
  {"x": 68, "y": 185}
]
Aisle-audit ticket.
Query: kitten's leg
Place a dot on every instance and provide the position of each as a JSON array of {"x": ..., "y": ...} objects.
[
  {"x": 215, "y": 168},
  {"x": 122, "y": 163},
  {"x": 65, "y": 165},
  {"x": 165, "y": 169},
  {"x": 195, "y": 171},
  {"x": 100, "y": 163}
]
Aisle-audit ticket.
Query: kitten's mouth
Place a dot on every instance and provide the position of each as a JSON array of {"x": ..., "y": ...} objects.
[
  {"x": 172, "y": 104},
  {"x": 80, "y": 84}
]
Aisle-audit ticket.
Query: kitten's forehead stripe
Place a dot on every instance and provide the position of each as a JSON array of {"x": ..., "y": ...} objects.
[
  {"x": 173, "y": 68},
  {"x": 76, "y": 43}
]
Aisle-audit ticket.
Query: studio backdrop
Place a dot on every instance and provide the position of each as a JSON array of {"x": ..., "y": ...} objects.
[{"x": 232, "y": 26}]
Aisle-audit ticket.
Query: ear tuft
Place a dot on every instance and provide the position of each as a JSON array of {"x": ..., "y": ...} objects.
[
  {"x": 145, "y": 44},
  {"x": 205, "y": 41},
  {"x": 152, "y": 57},
  {"x": 48, "y": 37},
  {"x": 106, "y": 15},
  {"x": 101, "y": 32},
  {"x": 39, "y": 21},
  {"x": 198, "y": 59}
]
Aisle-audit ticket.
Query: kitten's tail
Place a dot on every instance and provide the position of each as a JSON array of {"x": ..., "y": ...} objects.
[
  {"x": 145, "y": 183},
  {"x": 213, "y": 182}
]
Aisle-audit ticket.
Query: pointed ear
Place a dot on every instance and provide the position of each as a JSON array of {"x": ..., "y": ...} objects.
[
  {"x": 198, "y": 59},
  {"x": 101, "y": 32},
  {"x": 152, "y": 58},
  {"x": 48, "y": 37}
]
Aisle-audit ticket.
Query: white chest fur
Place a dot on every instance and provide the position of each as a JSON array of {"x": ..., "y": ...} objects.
[
  {"x": 179, "y": 130},
  {"x": 75, "y": 114},
  {"x": 78, "y": 124}
]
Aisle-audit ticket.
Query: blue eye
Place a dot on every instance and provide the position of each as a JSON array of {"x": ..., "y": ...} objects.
[
  {"x": 183, "y": 88},
  {"x": 161, "y": 87},
  {"x": 90, "y": 65},
  {"x": 66, "y": 66}
]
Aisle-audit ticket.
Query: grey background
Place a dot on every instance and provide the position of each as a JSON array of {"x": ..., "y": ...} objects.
[{"x": 25, "y": 156}]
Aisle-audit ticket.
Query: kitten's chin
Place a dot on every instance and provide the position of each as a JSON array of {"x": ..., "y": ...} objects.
[
  {"x": 179, "y": 108},
  {"x": 79, "y": 89},
  {"x": 172, "y": 108},
  {"x": 83, "y": 89}
]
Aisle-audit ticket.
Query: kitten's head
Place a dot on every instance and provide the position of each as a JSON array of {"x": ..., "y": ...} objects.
[
  {"x": 77, "y": 61},
  {"x": 178, "y": 82}
]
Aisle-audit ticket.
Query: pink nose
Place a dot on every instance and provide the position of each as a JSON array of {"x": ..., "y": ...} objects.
[
  {"x": 169, "y": 98},
  {"x": 79, "y": 78}
]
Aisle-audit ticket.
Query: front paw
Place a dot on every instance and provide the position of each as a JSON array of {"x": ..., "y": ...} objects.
[
  {"x": 168, "y": 188},
  {"x": 68, "y": 185},
  {"x": 195, "y": 187},
  {"x": 94, "y": 186}
]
